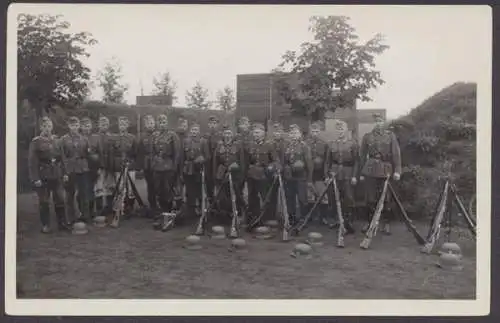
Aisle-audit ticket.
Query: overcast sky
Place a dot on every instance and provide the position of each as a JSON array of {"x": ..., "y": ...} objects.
[{"x": 430, "y": 47}]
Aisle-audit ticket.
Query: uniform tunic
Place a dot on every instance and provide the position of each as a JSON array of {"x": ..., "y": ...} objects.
[
  {"x": 145, "y": 157},
  {"x": 319, "y": 155},
  {"x": 212, "y": 138},
  {"x": 194, "y": 157},
  {"x": 44, "y": 162}
]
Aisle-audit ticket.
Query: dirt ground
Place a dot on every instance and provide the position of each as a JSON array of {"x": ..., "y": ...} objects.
[{"x": 135, "y": 261}]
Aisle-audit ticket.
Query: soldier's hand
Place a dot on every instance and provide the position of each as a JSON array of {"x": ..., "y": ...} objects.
[
  {"x": 396, "y": 176},
  {"x": 354, "y": 181},
  {"x": 65, "y": 178},
  {"x": 38, "y": 183},
  {"x": 361, "y": 178}
]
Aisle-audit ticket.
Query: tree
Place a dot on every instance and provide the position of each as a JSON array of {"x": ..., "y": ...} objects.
[
  {"x": 198, "y": 97},
  {"x": 164, "y": 85},
  {"x": 226, "y": 100},
  {"x": 49, "y": 60},
  {"x": 333, "y": 70},
  {"x": 109, "y": 80}
]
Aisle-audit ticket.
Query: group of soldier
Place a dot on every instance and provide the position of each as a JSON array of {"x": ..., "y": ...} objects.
[{"x": 86, "y": 164}]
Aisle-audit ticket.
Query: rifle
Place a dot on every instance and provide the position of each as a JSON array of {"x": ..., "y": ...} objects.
[
  {"x": 342, "y": 230},
  {"x": 409, "y": 224},
  {"x": 435, "y": 228},
  {"x": 372, "y": 229},
  {"x": 284, "y": 208},
  {"x": 264, "y": 206},
  {"x": 203, "y": 217},
  {"x": 235, "y": 221},
  {"x": 468, "y": 219},
  {"x": 301, "y": 225},
  {"x": 119, "y": 198}
]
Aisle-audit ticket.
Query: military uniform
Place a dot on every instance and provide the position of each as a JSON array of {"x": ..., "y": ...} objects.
[
  {"x": 380, "y": 157},
  {"x": 145, "y": 154},
  {"x": 194, "y": 156},
  {"x": 226, "y": 155},
  {"x": 45, "y": 166},
  {"x": 211, "y": 138},
  {"x": 278, "y": 145},
  {"x": 297, "y": 172},
  {"x": 263, "y": 160},
  {"x": 93, "y": 163},
  {"x": 343, "y": 161},
  {"x": 319, "y": 155},
  {"x": 166, "y": 161},
  {"x": 75, "y": 151}
]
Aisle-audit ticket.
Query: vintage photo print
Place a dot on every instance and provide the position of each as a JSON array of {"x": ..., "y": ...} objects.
[{"x": 248, "y": 160}]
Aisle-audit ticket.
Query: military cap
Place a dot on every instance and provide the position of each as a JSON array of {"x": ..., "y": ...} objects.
[
  {"x": 277, "y": 126},
  {"x": 72, "y": 120},
  {"x": 243, "y": 119},
  {"x": 148, "y": 116},
  {"x": 294, "y": 127},
  {"x": 226, "y": 127},
  {"x": 85, "y": 120},
  {"x": 45, "y": 120},
  {"x": 213, "y": 118},
  {"x": 123, "y": 118},
  {"x": 339, "y": 122},
  {"x": 195, "y": 125},
  {"x": 258, "y": 126},
  {"x": 162, "y": 117},
  {"x": 103, "y": 118}
]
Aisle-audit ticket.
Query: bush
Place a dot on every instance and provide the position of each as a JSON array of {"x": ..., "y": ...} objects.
[{"x": 438, "y": 138}]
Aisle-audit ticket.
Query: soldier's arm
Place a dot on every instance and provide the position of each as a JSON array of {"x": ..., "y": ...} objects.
[
  {"x": 326, "y": 160},
  {"x": 273, "y": 154},
  {"x": 355, "y": 154},
  {"x": 396, "y": 154},
  {"x": 363, "y": 152},
  {"x": 33, "y": 162},
  {"x": 134, "y": 153},
  {"x": 309, "y": 163},
  {"x": 214, "y": 160},
  {"x": 178, "y": 153},
  {"x": 64, "y": 160}
]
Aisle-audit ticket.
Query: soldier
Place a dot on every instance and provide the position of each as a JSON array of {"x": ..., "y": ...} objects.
[
  {"x": 244, "y": 136},
  {"x": 297, "y": 173},
  {"x": 124, "y": 152},
  {"x": 194, "y": 158},
  {"x": 93, "y": 161},
  {"x": 145, "y": 158},
  {"x": 380, "y": 157},
  {"x": 181, "y": 132},
  {"x": 343, "y": 161},
  {"x": 212, "y": 137},
  {"x": 45, "y": 173},
  {"x": 105, "y": 185},
  {"x": 319, "y": 154},
  {"x": 262, "y": 161},
  {"x": 278, "y": 143},
  {"x": 75, "y": 151},
  {"x": 229, "y": 157},
  {"x": 167, "y": 158}
]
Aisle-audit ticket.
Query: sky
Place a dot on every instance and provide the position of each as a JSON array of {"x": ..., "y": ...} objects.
[{"x": 431, "y": 47}]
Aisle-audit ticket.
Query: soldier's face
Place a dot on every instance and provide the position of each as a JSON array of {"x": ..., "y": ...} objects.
[
  {"x": 74, "y": 127},
  {"x": 277, "y": 133},
  {"x": 379, "y": 123},
  {"x": 149, "y": 123},
  {"x": 315, "y": 133},
  {"x": 103, "y": 124},
  {"x": 195, "y": 131},
  {"x": 163, "y": 123},
  {"x": 228, "y": 135},
  {"x": 258, "y": 134},
  {"x": 183, "y": 125},
  {"x": 46, "y": 127},
  {"x": 212, "y": 125},
  {"x": 123, "y": 125},
  {"x": 86, "y": 127},
  {"x": 244, "y": 126},
  {"x": 295, "y": 134}
]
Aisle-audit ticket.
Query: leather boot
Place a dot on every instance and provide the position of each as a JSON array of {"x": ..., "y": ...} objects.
[{"x": 62, "y": 223}]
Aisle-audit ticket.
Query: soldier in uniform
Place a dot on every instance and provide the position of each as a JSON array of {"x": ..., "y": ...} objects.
[
  {"x": 167, "y": 158},
  {"x": 105, "y": 185},
  {"x": 182, "y": 131},
  {"x": 263, "y": 161},
  {"x": 244, "y": 136},
  {"x": 93, "y": 161},
  {"x": 298, "y": 172},
  {"x": 194, "y": 158},
  {"x": 278, "y": 143},
  {"x": 228, "y": 157},
  {"x": 124, "y": 152},
  {"x": 380, "y": 157},
  {"x": 319, "y": 154},
  {"x": 212, "y": 137},
  {"x": 75, "y": 151},
  {"x": 145, "y": 158},
  {"x": 343, "y": 161},
  {"x": 45, "y": 172}
]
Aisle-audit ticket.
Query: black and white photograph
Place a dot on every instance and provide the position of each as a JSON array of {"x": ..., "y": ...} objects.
[{"x": 248, "y": 160}]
